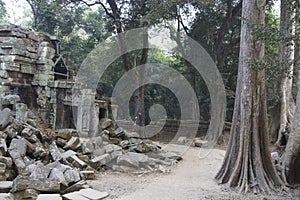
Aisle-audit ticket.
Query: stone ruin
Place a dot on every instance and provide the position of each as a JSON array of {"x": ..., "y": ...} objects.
[{"x": 54, "y": 132}]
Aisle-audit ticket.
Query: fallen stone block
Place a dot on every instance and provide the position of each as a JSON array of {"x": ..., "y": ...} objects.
[
  {"x": 74, "y": 196},
  {"x": 58, "y": 166},
  {"x": 93, "y": 194},
  {"x": 72, "y": 175},
  {"x": 3, "y": 147},
  {"x": 96, "y": 142},
  {"x": 4, "y": 118},
  {"x": 21, "y": 112},
  {"x": 30, "y": 194},
  {"x": 10, "y": 131},
  {"x": 54, "y": 151},
  {"x": 76, "y": 162},
  {"x": 61, "y": 142},
  {"x": 105, "y": 123},
  {"x": 111, "y": 148},
  {"x": 49, "y": 197},
  {"x": 72, "y": 143},
  {"x": 100, "y": 160},
  {"x": 26, "y": 132},
  {"x": 75, "y": 187},
  {"x": 132, "y": 135},
  {"x": 170, "y": 155},
  {"x": 18, "y": 146},
  {"x": 40, "y": 172},
  {"x": 5, "y": 186},
  {"x": 10, "y": 99},
  {"x": 6, "y": 160},
  {"x": 65, "y": 134},
  {"x": 128, "y": 160},
  {"x": 200, "y": 143},
  {"x": 84, "y": 158},
  {"x": 40, "y": 151},
  {"x": 99, "y": 152},
  {"x": 88, "y": 175},
  {"x": 2, "y": 168},
  {"x": 43, "y": 185},
  {"x": 57, "y": 175},
  {"x": 6, "y": 196},
  {"x": 67, "y": 154}
]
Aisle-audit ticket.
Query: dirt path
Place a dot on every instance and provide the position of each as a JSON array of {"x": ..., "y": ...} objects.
[{"x": 191, "y": 179}]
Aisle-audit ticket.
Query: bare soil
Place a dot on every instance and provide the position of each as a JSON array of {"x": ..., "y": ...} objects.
[{"x": 190, "y": 179}]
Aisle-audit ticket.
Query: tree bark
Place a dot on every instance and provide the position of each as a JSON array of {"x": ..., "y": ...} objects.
[
  {"x": 291, "y": 162},
  {"x": 247, "y": 164},
  {"x": 286, "y": 61}
]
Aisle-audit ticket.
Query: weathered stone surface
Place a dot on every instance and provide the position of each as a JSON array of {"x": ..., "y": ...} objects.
[
  {"x": 49, "y": 197},
  {"x": 18, "y": 145},
  {"x": 74, "y": 196},
  {"x": 59, "y": 166},
  {"x": 40, "y": 172},
  {"x": 72, "y": 143},
  {"x": 10, "y": 100},
  {"x": 99, "y": 152},
  {"x": 6, "y": 160},
  {"x": 97, "y": 142},
  {"x": 61, "y": 142},
  {"x": 4, "y": 118},
  {"x": 68, "y": 154},
  {"x": 76, "y": 162},
  {"x": 54, "y": 151},
  {"x": 130, "y": 160},
  {"x": 57, "y": 175},
  {"x": 6, "y": 196},
  {"x": 5, "y": 186},
  {"x": 75, "y": 187},
  {"x": 3, "y": 147},
  {"x": 170, "y": 155},
  {"x": 43, "y": 185},
  {"x": 100, "y": 160},
  {"x": 93, "y": 194},
  {"x": 200, "y": 143},
  {"x": 72, "y": 175},
  {"x": 21, "y": 112},
  {"x": 87, "y": 148},
  {"x": 105, "y": 123},
  {"x": 88, "y": 175},
  {"x": 2, "y": 168},
  {"x": 39, "y": 151},
  {"x": 111, "y": 148},
  {"x": 26, "y": 132},
  {"x": 30, "y": 194},
  {"x": 132, "y": 135},
  {"x": 65, "y": 134},
  {"x": 17, "y": 150}
]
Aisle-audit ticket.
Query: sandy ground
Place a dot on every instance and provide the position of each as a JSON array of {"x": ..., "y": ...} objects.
[{"x": 190, "y": 179}]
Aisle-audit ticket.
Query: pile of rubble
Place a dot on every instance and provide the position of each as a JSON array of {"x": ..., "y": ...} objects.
[{"x": 36, "y": 162}]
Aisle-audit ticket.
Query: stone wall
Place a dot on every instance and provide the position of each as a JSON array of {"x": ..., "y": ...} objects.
[{"x": 28, "y": 69}]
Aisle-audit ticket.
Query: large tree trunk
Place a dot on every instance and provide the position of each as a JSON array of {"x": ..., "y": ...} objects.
[
  {"x": 286, "y": 61},
  {"x": 247, "y": 164},
  {"x": 291, "y": 161}
]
